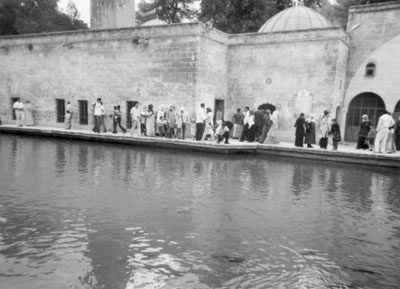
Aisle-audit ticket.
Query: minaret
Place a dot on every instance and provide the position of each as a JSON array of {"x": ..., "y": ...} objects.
[{"x": 112, "y": 13}]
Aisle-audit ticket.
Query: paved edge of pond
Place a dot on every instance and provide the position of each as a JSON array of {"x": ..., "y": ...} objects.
[{"x": 381, "y": 160}]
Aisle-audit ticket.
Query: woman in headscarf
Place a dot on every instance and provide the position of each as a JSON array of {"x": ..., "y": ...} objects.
[
  {"x": 272, "y": 136},
  {"x": 310, "y": 131},
  {"x": 266, "y": 125},
  {"x": 300, "y": 131},
  {"x": 150, "y": 121},
  {"x": 365, "y": 128}
]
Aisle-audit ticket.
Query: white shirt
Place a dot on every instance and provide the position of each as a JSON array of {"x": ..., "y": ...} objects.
[
  {"x": 97, "y": 109},
  {"x": 201, "y": 115},
  {"x": 385, "y": 121},
  {"x": 246, "y": 117},
  {"x": 18, "y": 105},
  {"x": 221, "y": 131},
  {"x": 68, "y": 107},
  {"x": 135, "y": 113}
]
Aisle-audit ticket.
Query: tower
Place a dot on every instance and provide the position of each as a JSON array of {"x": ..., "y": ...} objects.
[{"x": 112, "y": 13}]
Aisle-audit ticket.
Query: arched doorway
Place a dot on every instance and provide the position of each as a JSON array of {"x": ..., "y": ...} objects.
[{"x": 367, "y": 103}]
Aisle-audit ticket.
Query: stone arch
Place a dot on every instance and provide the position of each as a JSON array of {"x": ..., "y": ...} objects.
[{"x": 368, "y": 103}]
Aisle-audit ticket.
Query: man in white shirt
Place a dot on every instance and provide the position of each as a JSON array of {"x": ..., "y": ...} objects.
[
  {"x": 135, "y": 117},
  {"x": 97, "y": 110},
  {"x": 18, "y": 107},
  {"x": 222, "y": 132},
  {"x": 246, "y": 124},
  {"x": 200, "y": 121},
  {"x": 382, "y": 132}
]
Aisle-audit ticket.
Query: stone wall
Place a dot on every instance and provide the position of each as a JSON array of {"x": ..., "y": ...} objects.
[
  {"x": 155, "y": 65},
  {"x": 370, "y": 27},
  {"x": 306, "y": 71}
]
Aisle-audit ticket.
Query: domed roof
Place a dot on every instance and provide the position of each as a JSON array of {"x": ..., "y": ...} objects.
[
  {"x": 295, "y": 18},
  {"x": 154, "y": 22}
]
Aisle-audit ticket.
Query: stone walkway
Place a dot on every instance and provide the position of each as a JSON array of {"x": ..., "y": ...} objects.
[{"x": 345, "y": 153}]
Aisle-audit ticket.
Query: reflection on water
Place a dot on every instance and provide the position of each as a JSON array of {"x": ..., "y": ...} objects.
[{"x": 83, "y": 215}]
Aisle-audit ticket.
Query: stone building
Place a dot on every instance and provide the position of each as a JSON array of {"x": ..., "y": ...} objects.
[{"x": 297, "y": 61}]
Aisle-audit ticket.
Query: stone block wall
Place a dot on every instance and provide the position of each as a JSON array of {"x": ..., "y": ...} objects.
[
  {"x": 155, "y": 65},
  {"x": 312, "y": 61},
  {"x": 369, "y": 27}
]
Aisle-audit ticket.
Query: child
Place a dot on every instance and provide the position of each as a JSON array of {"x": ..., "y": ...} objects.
[
  {"x": 222, "y": 132},
  {"x": 68, "y": 116},
  {"x": 335, "y": 131},
  {"x": 193, "y": 128}
]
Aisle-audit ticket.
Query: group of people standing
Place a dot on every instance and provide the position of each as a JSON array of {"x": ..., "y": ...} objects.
[
  {"x": 386, "y": 137},
  {"x": 23, "y": 113},
  {"x": 306, "y": 131},
  {"x": 256, "y": 126}
]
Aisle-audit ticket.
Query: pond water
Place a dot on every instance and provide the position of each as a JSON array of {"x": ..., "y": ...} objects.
[{"x": 87, "y": 215}]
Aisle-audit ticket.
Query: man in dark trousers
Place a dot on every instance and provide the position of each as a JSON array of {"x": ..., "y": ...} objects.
[
  {"x": 200, "y": 121},
  {"x": 258, "y": 122}
]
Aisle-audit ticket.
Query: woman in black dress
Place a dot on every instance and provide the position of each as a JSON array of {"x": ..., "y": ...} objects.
[
  {"x": 300, "y": 130},
  {"x": 365, "y": 127}
]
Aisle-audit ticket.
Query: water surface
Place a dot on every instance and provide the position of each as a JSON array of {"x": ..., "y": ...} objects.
[{"x": 86, "y": 215}]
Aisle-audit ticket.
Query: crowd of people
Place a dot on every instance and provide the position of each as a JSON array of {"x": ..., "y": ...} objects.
[
  {"x": 261, "y": 125},
  {"x": 384, "y": 139}
]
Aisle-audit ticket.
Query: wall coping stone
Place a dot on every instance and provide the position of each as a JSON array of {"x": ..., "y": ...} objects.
[{"x": 374, "y": 7}]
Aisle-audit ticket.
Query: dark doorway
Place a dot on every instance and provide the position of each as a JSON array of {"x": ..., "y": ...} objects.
[
  {"x": 13, "y": 100},
  {"x": 396, "y": 113},
  {"x": 367, "y": 103},
  {"x": 219, "y": 106},
  {"x": 60, "y": 110},
  {"x": 129, "y": 105},
  {"x": 83, "y": 112}
]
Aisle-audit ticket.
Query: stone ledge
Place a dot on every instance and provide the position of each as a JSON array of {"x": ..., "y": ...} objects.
[{"x": 378, "y": 160}]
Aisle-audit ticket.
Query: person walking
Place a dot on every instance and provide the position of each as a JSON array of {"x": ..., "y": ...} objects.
[
  {"x": 135, "y": 117},
  {"x": 200, "y": 121},
  {"x": 209, "y": 128},
  {"x": 300, "y": 131},
  {"x": 97, "y": 110},
  {"x": 310, "y": 131},
  {"x": 18, "y": 107},
  {"x": 365, "y": 128},
  {"x": 117, "y": 116},
  {"x": 324, "y": 130},
  {"x": 103, "y": 118},
  {"x": 382, "y": 130}
]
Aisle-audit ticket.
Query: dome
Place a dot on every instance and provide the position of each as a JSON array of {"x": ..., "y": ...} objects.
[
  {"x": 154, "y": 22},
  {"x": 295, "y": 18}
]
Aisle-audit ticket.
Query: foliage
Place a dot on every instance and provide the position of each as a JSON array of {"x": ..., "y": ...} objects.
[
  {"x": 237, "y": 16},
  {"x": 37, "y": 16},
  {"x": 171, "y": 11}
]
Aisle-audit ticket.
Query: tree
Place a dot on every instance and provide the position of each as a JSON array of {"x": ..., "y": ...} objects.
[
  {"x": 237, "y": 16},
  {"x": 171, "y": 11},
  {"x": 36, "y": 16}
]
